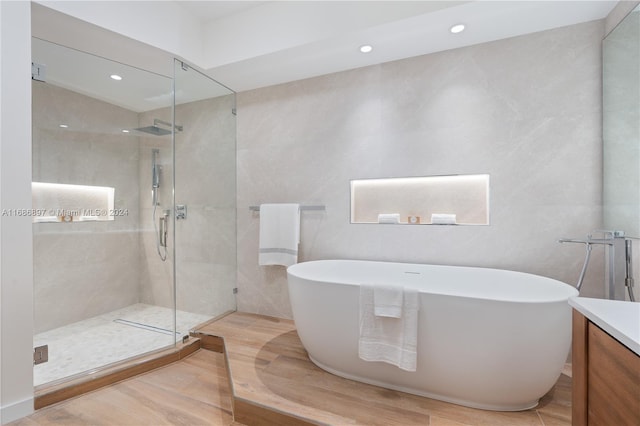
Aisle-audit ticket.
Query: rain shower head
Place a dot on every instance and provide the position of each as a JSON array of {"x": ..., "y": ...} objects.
[{"x": 156, "y": 130}]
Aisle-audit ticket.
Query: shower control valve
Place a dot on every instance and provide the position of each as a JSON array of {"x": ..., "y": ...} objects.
[{"x": 181, "y": 211}]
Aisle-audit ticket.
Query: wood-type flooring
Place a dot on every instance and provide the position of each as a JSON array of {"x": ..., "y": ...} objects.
[
  {"x": 270, "y": 369},
  {"x": 272, "y": 383}
]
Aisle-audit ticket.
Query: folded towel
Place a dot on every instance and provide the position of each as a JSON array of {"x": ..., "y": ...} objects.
[
  {"x": 443, "y": 219},
  {"x": 389, "y": 218},
  {"x": 387, "y": 301},
  {"x": 390, "y": 340},
  {"x": 279, "y": 234}
]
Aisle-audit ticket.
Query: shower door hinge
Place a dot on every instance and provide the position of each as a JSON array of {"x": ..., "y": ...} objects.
[
  {"x": 38, "y": 72},
  {"x": 40, "y": 354}
]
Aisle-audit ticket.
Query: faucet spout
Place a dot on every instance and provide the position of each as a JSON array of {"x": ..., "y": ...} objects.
[
  {"x": 618, "y": 257},
  {"x": 588, "y": 241}
]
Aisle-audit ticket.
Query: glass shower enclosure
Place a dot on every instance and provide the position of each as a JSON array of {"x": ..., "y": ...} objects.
[{"x": 134, "y": 208}]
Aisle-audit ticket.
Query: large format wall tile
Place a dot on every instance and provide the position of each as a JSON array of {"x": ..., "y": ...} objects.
[
  {"x": 525, "y": 110},
  {"x": 205, "y": 158},
  {"x": 84, "y": 269}
]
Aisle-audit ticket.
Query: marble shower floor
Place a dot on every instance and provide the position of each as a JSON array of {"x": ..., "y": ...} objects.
[{"x": 95, "y": 342}]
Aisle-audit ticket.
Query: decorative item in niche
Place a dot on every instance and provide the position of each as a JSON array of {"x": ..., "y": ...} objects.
[
  {"x": 56, "y": 202},
  {"x": 429, "y": 200}
]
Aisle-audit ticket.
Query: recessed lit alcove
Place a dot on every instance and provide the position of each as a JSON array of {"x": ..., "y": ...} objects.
[
  {"x": 441, "y": 200},
  {"x": 57, "y": 202}
]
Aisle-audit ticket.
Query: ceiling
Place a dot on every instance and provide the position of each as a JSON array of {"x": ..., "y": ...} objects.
[
  {"x": 251, "y": 44},
  {"x": 256, "y": 44},
  {"x": 208, "y": 11}
]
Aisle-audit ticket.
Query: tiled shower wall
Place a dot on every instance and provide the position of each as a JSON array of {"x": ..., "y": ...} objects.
[
  {"x": 526, "y": 110},
  {"x": 206, "y": 184},
  {"x": 86, "y": 269}
]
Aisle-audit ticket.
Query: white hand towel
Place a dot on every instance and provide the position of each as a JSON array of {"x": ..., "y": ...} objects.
[
  {"x": 443, "y": 219},
  {"x": 387, "y": 300},
  {"x": 389, "y": 218},
  {"x": 279, "y": 234},
  {"x": 390, "y": 340}
]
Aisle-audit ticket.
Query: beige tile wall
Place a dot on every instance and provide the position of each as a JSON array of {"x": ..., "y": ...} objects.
[
  {"x": 86, "y": 269},
  {"x": 526, "y": 110},
  {"x": 205, "y": 182},
  {"x": 74, "y": 273}
]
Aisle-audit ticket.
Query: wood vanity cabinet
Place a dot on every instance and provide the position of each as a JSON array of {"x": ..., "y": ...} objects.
[{"x": 606, "y": 378}]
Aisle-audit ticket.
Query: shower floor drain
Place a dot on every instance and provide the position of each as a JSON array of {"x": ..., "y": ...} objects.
[{"x": 146, "y": 327}]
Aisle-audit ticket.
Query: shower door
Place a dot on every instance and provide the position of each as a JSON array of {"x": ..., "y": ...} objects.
[
  {"x": 205, "y": 164},
  {"x": 103, "y": 202}
]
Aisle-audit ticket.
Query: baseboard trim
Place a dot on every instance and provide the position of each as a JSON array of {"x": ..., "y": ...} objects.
[{"x": 16, "y": 411}]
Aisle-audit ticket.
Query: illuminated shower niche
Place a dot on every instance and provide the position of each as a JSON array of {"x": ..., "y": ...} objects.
[
  {"x": 56, "y": 202},
  {"x": 431, "y": 200}
]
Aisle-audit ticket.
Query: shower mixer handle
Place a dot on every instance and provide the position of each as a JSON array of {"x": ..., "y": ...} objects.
[{"x": 181, "y": 211}]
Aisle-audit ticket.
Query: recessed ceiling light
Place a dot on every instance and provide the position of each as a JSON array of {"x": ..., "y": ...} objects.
[
  {"x": 64, "y": 126},
  {"x": 125, "y": 131},
  {"x": 366, "y": 48},
  {"x": 115, "y": 77},
  {"x": 458, "y": 28}
]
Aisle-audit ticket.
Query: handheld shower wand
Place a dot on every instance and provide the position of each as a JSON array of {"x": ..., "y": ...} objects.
[
  {"x": 161, "y": 234},
  {"x": 155, "y": 176}
]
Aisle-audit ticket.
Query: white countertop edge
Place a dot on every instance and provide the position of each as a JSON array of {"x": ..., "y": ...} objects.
[{"x": 618, "y": 318}]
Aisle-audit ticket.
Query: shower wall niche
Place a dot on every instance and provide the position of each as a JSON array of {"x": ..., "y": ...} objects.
[{"x": 110, "y": 285}]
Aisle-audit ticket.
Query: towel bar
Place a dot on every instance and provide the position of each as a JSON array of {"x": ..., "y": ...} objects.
[{"x": 257, "y": 208}]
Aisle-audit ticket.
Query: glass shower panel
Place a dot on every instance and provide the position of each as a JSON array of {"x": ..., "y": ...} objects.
[
  {"x": 104, "y": 284},
  {"x": 621, "y": 126},
  {"x": 205, "y": 163}
]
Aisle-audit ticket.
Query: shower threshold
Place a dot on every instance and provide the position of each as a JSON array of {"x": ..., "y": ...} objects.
[{"x": 146, "y": 327}]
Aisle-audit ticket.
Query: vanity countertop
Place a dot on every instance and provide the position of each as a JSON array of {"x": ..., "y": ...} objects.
[{"x": 618, "y": 318}]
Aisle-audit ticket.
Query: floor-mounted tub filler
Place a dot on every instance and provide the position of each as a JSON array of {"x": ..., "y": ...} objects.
[{"x": 487, "y": 338}]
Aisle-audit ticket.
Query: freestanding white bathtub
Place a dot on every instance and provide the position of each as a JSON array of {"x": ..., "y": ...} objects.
[{"x": 487, "y": 338}]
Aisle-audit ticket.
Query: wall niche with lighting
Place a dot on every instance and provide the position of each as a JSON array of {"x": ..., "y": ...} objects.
[
  {"x": 56, "y": 202},
  {"x": 429, "y": 200}
]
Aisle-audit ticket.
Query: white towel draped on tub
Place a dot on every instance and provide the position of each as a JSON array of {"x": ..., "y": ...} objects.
[
  {"x": 279, "y": 234},
  {"x": 387, "y": 300},
  {"x": 388, "y": 339}
]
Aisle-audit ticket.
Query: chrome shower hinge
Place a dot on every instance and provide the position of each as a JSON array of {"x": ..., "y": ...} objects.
[
  {"x": 40, "y": 354},
  {"x": 38, "y": 72}
]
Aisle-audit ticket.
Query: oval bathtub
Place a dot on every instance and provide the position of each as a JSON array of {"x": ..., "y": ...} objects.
[{"x": 487, "y": 338}]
